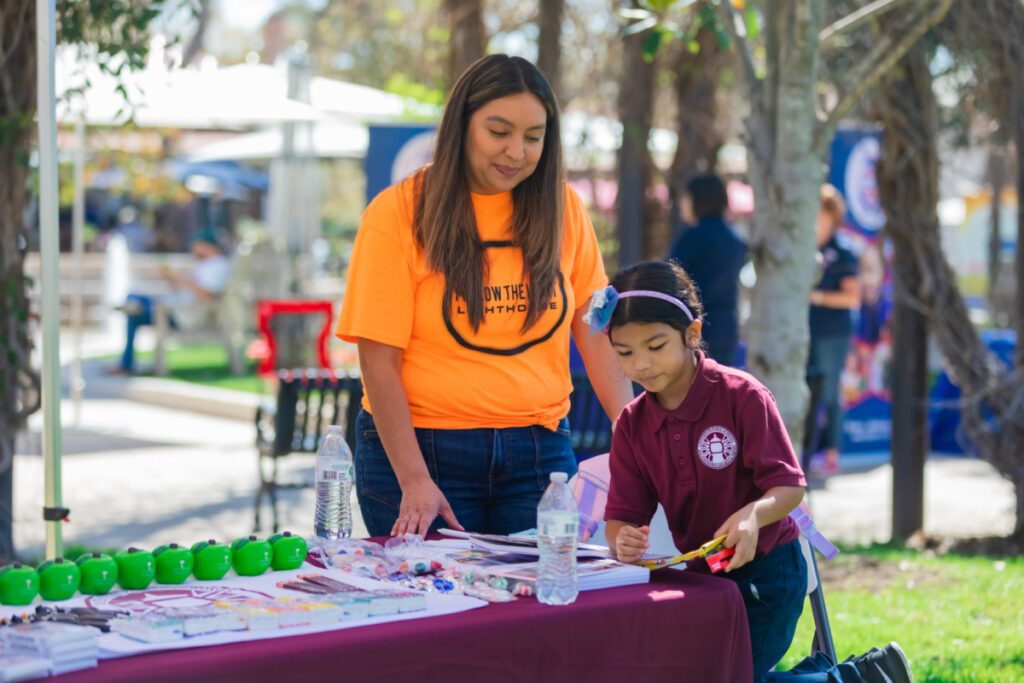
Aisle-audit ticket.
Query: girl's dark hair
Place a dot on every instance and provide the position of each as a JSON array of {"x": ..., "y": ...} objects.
[
  {"x": 444, "y": 223},
  {"x": 666, "y": 277}
]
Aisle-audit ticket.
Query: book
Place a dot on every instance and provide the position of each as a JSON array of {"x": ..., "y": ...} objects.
[
  {"x": 517, "y": 570},
  {"x": 521, "y": 545},
  {"x": 14, "y": 667}
]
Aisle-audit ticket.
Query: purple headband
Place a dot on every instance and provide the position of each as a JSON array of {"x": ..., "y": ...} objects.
[{"x": 603, "y": 301}]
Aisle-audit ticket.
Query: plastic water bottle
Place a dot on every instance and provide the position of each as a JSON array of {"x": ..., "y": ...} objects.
[
  {"x": 558, "y": 521},
  {"x": 333, "y": 486}
]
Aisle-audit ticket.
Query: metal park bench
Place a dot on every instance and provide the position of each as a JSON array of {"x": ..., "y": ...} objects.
[{"x": 307, "y": 402}]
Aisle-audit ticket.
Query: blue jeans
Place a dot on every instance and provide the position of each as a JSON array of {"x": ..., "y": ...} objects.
[
  {"x": 492, "y": 478},
  {"x": 828, "y": 355},
  {"x": 135, "y": 321},
  {"x": 773, "y": 587}
]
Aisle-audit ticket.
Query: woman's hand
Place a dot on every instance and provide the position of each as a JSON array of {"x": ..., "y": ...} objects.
[
  {"x": 741, "y": 531},
  {"x": 422, "y": 502},
  {"x": 631, "y": 543}
]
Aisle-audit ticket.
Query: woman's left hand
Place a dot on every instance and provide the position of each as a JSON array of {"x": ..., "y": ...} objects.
[{"x": 740, "y": 530}]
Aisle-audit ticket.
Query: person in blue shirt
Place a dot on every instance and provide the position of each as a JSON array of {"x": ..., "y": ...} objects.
[
  {"x": 713, "y": 254},
  {"x": 833, "y": 301}
]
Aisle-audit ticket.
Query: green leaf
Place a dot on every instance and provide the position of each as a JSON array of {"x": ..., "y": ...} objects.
[
  {"x": 721, "y": 37},
  {"x": 651, "y": 44},
  {"x": 753, "y": 24}
]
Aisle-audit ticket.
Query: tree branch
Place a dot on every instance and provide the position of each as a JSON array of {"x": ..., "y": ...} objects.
[
  {"x": 854, "y": 20},
  {"x": 882, "y": 58},
  {"x": 741, "y": 46}
]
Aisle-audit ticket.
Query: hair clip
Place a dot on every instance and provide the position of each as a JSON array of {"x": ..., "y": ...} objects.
[{"x": 602, "y": 305}]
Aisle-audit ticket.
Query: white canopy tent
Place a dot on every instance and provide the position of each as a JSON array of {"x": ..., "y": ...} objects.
[
  {"x": 158, "y": 97},
  {"x": 331, "y": 140}
]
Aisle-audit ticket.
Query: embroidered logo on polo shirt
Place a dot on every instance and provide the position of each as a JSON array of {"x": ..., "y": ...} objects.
[{"x": 716, "y": 447}]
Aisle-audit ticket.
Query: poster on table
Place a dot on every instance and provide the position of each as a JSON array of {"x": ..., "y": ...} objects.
[
  {"x": 394, "y": 153},
  {"x": 864, "y": 390}
]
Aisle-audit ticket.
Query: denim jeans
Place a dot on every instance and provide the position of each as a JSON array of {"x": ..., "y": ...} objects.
[
  {"x": 135, "y": 320},
  {"x": 773, "y": 587},
  {"x": 828, "y": 355},
  {"x": 492, "y": 478}
]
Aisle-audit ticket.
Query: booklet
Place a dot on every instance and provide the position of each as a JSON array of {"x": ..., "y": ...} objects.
[
  {"x": 522, "y": 545},
  {"x": 521, "y": 569}
]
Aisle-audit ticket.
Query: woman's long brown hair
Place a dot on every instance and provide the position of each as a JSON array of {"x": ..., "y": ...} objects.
[{"x": 444, "y": 223}]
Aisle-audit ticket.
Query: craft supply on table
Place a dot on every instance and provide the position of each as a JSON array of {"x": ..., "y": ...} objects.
[
  {"x": 211, "y": 560},
  {"x": 136, "y": 568},
  {"x": 99, "y": 573},
  {"x": 173, "y": 564},
  {"x": 250, "y": 556},
  {"x": 58, "y": 579},
  {"x": 19, "y": 584}
]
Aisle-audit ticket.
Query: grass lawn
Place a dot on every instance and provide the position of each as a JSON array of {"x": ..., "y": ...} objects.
[
  {"x": 206, "y": 365},
  {"x": 958, "y": 618}
]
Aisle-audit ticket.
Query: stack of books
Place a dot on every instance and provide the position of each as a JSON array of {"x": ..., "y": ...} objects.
[
  {"x": 21, "y": 668},
  {"x": 67, "y": 647}
]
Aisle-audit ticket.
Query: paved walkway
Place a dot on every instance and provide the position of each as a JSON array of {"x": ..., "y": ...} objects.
[{"x": 142, "y": 474}]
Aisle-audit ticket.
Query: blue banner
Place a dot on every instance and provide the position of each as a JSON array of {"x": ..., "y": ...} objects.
[
  {"x": 852, "y": 171},
  {"x": 863, "y": 387},
  {"x": 394, "y": 153}
]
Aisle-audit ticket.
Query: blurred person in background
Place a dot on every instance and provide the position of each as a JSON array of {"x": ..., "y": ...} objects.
[
  {"x": 713, "y": 254},
  {"x": 203, "y": 283},
  {"x": 833, "y": 300}
]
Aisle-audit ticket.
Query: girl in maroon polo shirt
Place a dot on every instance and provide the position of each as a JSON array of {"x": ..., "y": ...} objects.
[{"x": 707, "y": 443}]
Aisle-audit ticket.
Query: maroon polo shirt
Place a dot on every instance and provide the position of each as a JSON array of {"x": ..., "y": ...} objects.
[{"x": 723, "y": 447}]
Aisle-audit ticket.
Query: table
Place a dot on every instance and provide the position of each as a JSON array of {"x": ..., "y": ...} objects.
[{"x": 682, "y": 626}]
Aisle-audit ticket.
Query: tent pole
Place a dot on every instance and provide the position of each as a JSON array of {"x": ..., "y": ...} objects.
[
  {"x": 78, "y": 247},
  {"x": 49, "y": 247}
]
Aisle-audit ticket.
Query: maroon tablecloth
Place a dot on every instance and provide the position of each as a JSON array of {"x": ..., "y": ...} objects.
[{"x": 680, "y": 627}]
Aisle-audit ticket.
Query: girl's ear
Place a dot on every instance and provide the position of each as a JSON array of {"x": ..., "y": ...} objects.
[{"x": 692, "y": 336}]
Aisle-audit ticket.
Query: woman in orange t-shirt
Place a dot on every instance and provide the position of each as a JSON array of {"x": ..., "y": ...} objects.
[{"x": 465, "y": 284}]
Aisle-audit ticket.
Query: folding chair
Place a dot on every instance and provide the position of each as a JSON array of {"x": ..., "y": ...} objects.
[{"x": 590, "y": 488}]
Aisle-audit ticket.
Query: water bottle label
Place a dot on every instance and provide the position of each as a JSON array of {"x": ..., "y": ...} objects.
[
  {"x": 558, "y": 525},
  {"x": 335, "y": 471}
]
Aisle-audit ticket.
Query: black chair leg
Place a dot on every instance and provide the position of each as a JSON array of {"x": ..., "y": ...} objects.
[{"x": 822, "y": 629}]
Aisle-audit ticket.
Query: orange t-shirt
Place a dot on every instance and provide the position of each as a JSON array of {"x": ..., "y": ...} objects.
[{"x": 455, "y": 378}]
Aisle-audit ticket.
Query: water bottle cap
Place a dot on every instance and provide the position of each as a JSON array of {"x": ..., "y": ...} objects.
[
  {"x": 335, "y": 429},
  {"x": 559, "y": 477}
]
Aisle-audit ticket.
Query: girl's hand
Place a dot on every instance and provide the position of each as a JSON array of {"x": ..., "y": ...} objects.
[
  {"x": 631, "y": 543},
  {"x": 740, "y": 530},
  {"x": 422, "y": 502}
]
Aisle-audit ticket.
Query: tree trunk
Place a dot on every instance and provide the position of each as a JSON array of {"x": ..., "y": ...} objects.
[
  {"x": 992, "y": 408},
  {"x": 467, "y": 38},
  {"x": 786, "y": 175},
  {"x": 19, "y": 385},
  {"x": 908, "y": 185},
  {"x": 549, "y": 44},
  {"x": 697, "y": 125},
  {"x": 636, "y": 94},
  {"x": 198, "y": 42},
  {"x": 997, "y": 179}
]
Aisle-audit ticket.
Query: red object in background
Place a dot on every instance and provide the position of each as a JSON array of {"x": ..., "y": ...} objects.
[
  {"x": 720, "y": 560},
  {"x": 266, "y": 309}
]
